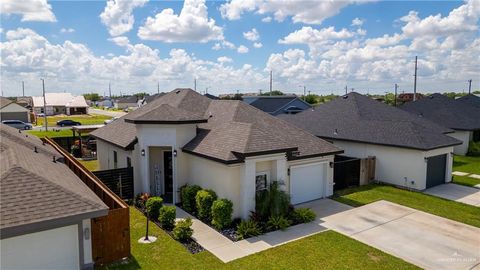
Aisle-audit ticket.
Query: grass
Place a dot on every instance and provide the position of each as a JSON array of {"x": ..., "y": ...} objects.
[
  {"x": 84, "y": 119},
  {"x": 469, "y": 165},
  {"x": 91, "y": 165},
  {"x": 461, "y": 212},
  {"x": 51, "y": 133},
  {"x": 327, "y": 250}
]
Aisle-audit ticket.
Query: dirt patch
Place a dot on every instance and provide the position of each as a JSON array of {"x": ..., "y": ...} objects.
[{"x": 374, "y": 257}]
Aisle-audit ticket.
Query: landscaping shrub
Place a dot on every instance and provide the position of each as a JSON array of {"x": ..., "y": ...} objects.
[
  {"x": 153, "y": 206},
  {"x": 303, "y": 215},
  {"x": 167, "y": 217},
  {"x": 473, "y": 149},
  {"x": 183, "y": 231},
  {"x": 277, "y": 223},
  {"x": 204, "y": 200},
  {"x": 248, "y": 229},
  {"x": 187, "y": 194},
  {"x": 222, "y": 210},
  {"x": 272, "y": 202},
  {"x": 140, "y": 200}
]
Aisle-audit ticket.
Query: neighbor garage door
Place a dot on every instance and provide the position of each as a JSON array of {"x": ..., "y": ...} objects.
[
  {"x": 307, "y": 182},
  {"x": 22, "y": 116},
  {"x": 436, "y": 167}
]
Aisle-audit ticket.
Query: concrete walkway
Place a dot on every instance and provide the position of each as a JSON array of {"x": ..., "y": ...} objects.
[
  {"x": 454, "y": 192},
  {"x": 426, "y": 240},
  {"x": 227, "y": 250}
]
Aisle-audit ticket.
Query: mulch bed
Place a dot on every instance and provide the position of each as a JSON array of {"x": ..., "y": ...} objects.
[{"x": 192, "y": 246}]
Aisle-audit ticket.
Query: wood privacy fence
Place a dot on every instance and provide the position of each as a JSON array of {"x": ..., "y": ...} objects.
[
  {"x": 119, "y": 181},
  {"x": 111, "y": 233}
]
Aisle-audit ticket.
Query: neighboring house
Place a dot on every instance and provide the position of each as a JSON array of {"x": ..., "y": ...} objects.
[
  {"x": 26, "y": 102},
  {"x": 408, "y": 97},
  {"x": 46, "y": 210},
  {"x": 148, "y": 99},
  {"x": 60, "y": 103},
  {"x": 126, "y": 102},
  {"x": 410, "y": 151},
  {"x": 106, "y": 102},
  {"x": 276, "y": 105},
  {"x": 450, "y": 113},
  {"x": 470, "y": 99},
  {"x": 10, "y": 110},
  {"x": 229, "y": 146}
]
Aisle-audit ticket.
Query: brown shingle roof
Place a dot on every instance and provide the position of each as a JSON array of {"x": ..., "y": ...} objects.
[
  {"x": 165, "y": 114},
  {"x": 234, "y": 129},
  {"x": 34, "y": 189},
  {"x": 4, "y": 102}
]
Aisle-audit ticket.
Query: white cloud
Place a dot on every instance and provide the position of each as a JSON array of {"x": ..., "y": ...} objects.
[
  {"x": 308, "y": 35},
  {"x": 224, "y": 59},
  {"x": 224, "y": 44},
  {"x": 117, "y": 15},
  {"x": 67, "y": 30},
  {"x": 33, "y": 10},
  {"x": 257, "y": 45},
  {"x": 385, "y": 40},
  {"x": 242, "y": 49},
  {"x": 357, "y": 22},
  {"x": 121, "y": 41},
  {"x": 191, "y": 25},
  {"x": 267, "y": 19},
  {"x": 251, "y": 35},
  {"x": 310, "y": 12}
]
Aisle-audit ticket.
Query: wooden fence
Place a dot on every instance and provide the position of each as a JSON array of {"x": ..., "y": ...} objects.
[
  {"x": 111, "y": 233},
  {"x": 119, "y": 181}
]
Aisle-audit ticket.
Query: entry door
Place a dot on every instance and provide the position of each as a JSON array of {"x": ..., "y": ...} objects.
[
  {"x": 168, "y": 180},
  {"x": 436, "y": 167}
]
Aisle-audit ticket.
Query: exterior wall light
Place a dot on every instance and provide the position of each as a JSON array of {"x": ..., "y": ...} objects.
[{"x": 142, "y": 152}]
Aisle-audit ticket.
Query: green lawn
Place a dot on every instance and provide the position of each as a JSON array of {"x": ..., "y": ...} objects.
[
  {"x": 434, "y": 205},
  {"x": 51, "y": 133},
  {"x": 84, "y": 119},
  {"x": 327, "y": 250},
  {"x": 91, "y": 165},
  {"x": 469, "y": 165}
]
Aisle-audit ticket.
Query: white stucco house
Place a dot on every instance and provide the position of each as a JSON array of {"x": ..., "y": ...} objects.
[
  {"x": 60, "y": 103},
  {"x": 410, "y": 152},
  {"x": 45, "y": 209},
  {"x": 462, "y": 116},
  {"x": 228, "y": 146}
]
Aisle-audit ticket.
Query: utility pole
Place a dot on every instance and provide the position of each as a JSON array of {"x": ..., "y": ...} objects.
[
  {"x": 44, "y": 106},
  {"x": 271, "y": 82},
  {"x": 195, "y": 84},
  {"x": 23, "y": 88},
  {"x": 109, "y": 90},
  {"x": 158, "y": 87},
  {"x": 346, "y": 90},
  {"x": 304, "y": 92},
  {"x": 395, "y": 100},
  {"x": 469, "y": 86},
  {"x": 415, "y": 81},
  {"x": 206, "y": 90}
]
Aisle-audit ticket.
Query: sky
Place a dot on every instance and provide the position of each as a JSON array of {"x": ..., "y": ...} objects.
[{"x": 141, "y": 45}]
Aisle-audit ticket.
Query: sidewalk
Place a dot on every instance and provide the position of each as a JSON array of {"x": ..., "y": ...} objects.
[{"x": 227, "y": 250}]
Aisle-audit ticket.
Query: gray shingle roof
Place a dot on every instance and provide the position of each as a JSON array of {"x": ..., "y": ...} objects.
[
  {"x": 4, "y": 102},
  {"x": 446, "y": 112},
  {"x": 234, "y": 129},
  {"x": 35, "y": 189},
  {"x": 272, "y": 104},
  {"x": 355, "y": 117},
  {"x": 470, "y": 99}
]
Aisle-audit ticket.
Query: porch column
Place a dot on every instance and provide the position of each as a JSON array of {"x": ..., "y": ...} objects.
[
  {"x": 282, "y": 173},
  {"x": 248, "y": 189}
]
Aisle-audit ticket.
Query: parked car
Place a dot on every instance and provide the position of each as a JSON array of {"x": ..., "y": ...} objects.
[
  {"x": 68, "y": 122},
  {"x": 17, "y": 124},
  {"x": 40, "y": 115},
  {"x": 108, "y": 121}
]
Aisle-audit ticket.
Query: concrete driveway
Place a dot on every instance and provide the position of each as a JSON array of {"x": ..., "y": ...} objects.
[
  {"x": 457, "y": 193},
  {"x": 426, "y": 240}
]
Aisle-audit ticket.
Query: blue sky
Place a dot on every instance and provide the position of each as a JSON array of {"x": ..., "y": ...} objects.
[{"x": 325, "y": 50}]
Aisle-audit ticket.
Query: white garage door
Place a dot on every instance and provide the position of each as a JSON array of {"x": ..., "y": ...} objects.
[{"x": 307, "y": 182}]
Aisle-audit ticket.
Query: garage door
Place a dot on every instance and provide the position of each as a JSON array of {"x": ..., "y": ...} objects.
[
  {"x": 436, "y": 167},
  {"x": 307, "y": 182},
  {"x": 22, "y": 116}
]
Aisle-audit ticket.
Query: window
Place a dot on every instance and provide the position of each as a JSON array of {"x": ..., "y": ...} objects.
[
  {"x": 261, "y": 181},
  {"x": 115, "y": 159},
  {"x": 129, "y": 162}
]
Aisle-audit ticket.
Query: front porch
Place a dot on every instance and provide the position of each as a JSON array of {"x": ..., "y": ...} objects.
[{"x": 161, "y": 173}]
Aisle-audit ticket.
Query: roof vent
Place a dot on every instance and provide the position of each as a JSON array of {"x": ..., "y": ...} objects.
[
  {"x": 35, "y": 149},
  {"x": 177, "y": 92},
  {"x": 345, "y": 96},
  {"x": 335, "y": 132},
  {"x": 54, "y": 159}
]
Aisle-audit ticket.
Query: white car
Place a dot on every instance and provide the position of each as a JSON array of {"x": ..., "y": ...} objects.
[
  {"x": 17, "y": 124},
  {"x": 108, "y": 121}
]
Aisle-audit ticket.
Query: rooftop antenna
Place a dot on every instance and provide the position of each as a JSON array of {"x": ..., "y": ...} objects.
[{"x": 415, "y": 81}]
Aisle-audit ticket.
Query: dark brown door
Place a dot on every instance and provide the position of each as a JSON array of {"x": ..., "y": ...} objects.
[{"x": 167, "y": 165}]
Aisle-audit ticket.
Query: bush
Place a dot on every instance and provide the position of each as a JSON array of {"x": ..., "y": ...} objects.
[
  {"x": 277, "y": 223},
  {"x": 187, "y": 195},
  {"x": 473, "y": 149},
  {"x": 204, "y": 200},
  {"x": 167, "y": 217},
  {"x": 303, "y": 215},
  {"x": 183, "y": 231},
  {"x": 140, "y": 199},
  {"x": 248, "y": 229},
  {"x": 272, "y": 202},
  {"x": 153, "y": 206},
  {"x": 222, "y": 210}
]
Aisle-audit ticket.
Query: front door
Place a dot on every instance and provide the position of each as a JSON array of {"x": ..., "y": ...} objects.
[{"x": 168, "y": 180}]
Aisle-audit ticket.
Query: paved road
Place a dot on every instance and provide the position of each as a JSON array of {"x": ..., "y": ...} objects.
[
  {"x": 107, "y": 113},
  {"x": 426, "y": 240},
  {"x": 454, "y": 192}
]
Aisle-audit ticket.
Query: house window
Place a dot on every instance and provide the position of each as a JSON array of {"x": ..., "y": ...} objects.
[
  {"x": 261, "y": 181},
  {"x": 129, "y": 162},
  {"x": 115, "y": 159}
]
